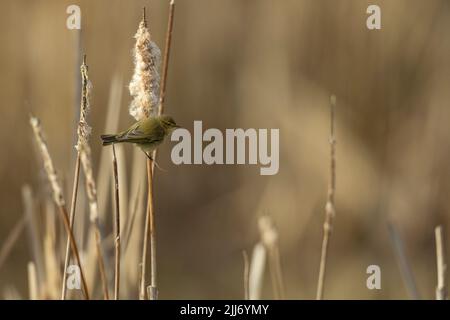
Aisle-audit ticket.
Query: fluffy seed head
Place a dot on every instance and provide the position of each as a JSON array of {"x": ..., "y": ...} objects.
[{"x": 144, "y": 85}]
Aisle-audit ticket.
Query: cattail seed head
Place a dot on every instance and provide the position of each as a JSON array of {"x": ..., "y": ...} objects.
[
  {"x": 144, "y": 85},
  {"x": 84, "y": 130},
  {"x": 83, "y": 147}
]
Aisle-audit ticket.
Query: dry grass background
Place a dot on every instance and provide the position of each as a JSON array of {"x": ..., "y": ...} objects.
[{"x": 261, "y": 64}]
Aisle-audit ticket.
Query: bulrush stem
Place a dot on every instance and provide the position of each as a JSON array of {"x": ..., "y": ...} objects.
[
  {"x": 117, "y": 227},
  {"x": 73, "y": 205},
  {"x": 165, "y": 67},
  {"x": 441, "y": 288},
  {"x": 149, "y": 219},
  {"x": 149, "y": 234},
  {"x": 330, "y": 207}
]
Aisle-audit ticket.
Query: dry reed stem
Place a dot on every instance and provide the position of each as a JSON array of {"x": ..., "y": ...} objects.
[
  {"x": 32, "y": 281},
  {"x": 269, "y": 237},
  {"x": 256, "y": 272},
  {"x": 330, "y": 211},
  {"x": 84, "y": 153},
  {"x": 57, "y": 194},
  {"x": 441, "y": 288},
  {"x": 103, "y": 190},
  {"x": 402, "y": 261},
  {"x": 165, "y": 68},
  {"x": 168, "y": 45},
  {"x": 53, "y": 276},
  {"x": 33, "y": 231},
  {"x": 130, "y": 221},
  {"x": 149, "y": 234},
  {"x": 111, "y": 125},
  {"x": 153, "y": 293},
  {"x": 11, "y": 240},
  {"x": 83, "y": 131},
  {"x": 132, "y": 231},
  {"x": 91, "y": 190},
  {"x": 116, "y": 227},
  {"x": 71, "y": 221},
  {"x": 246, "y": 274},
  {"x": 142, "y": 81}
]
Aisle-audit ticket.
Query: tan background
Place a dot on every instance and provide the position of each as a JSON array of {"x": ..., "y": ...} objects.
[{"x": 260, "y": 64}]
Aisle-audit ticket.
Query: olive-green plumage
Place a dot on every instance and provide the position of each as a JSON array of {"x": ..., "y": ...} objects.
[{"x": 148, "y": 133}]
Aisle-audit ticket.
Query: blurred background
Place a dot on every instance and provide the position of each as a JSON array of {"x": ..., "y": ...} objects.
[{"x": 248, "y": 64}]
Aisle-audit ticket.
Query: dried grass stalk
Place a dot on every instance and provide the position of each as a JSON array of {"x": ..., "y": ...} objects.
[
  {"x": 32, "y": 281},
  {"x": 83, "y": 131},
  {"x": 149, "y": 234},
  {"x": 441, "y": 288},
  {"x": 11, "y": 240},
  {"x": 256, "y": 272},
  {"x": 116, "y": 227},
  {"x": 84, "y": 152},
  {"x": 73, "y": 205},
  {"x": 330, "y": 211},
  {"x": 95, "y": 240},
  {"x": 57, "y": 193},
  {"x": 269, "y": 237},
  {"x": 162, "y": 94},
  {"x": 34, "y": 232},
  {"x": 246, "y": 274},
  {"x": 53, "y": 275}
]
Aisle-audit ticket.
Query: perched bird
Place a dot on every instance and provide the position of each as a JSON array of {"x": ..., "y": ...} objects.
[{"x": 147, "y": 133}]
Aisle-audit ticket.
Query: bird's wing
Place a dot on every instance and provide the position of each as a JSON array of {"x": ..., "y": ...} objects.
[{"x": 137, "y": 132}]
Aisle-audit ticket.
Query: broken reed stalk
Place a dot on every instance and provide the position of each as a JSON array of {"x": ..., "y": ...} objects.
[
  {"x": 57, "y": 194},
  {"x": 246, "y": 275},
  {"x": 84, "y": 153},
  {"x": 330, "y": 207},
  {"x": 441, "y": 288},
  {"x": 116, "y": 227}
]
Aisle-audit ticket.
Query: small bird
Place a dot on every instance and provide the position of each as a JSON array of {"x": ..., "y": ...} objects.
[{"x": 147, "y": 133}]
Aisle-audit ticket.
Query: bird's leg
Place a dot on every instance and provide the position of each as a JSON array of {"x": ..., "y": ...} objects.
[
  {"x": 153, "y": 161},
  {"x": 149, "y": 156}
]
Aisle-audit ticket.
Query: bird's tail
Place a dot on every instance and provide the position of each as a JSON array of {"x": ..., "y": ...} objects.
[{"x": 108, "y": 139}]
